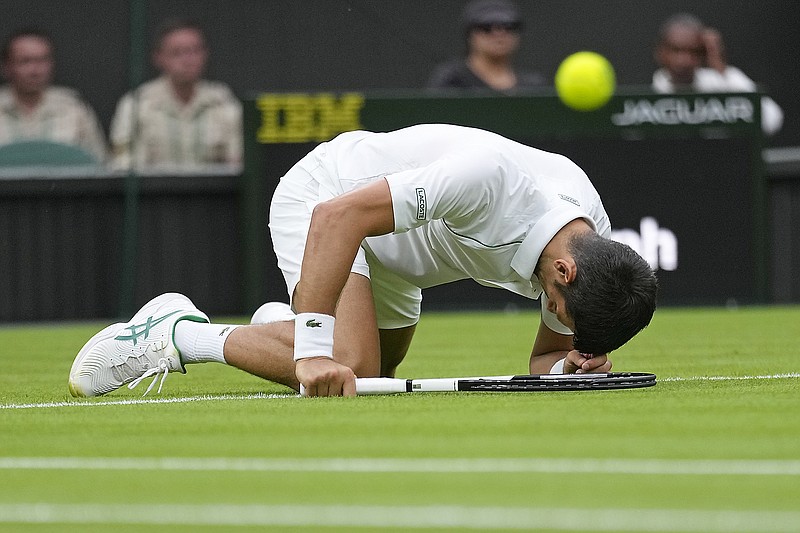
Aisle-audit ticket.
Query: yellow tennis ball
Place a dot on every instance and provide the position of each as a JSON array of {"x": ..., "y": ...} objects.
[{"x": 585, "y": 81}]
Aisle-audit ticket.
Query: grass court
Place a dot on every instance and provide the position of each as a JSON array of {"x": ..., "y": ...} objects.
[{"x": 715, "y": 446}]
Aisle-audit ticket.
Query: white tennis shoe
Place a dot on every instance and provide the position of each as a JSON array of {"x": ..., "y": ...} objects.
[
  {"x": 272, "y": 312},
  {"x": 128, "y": 353}
]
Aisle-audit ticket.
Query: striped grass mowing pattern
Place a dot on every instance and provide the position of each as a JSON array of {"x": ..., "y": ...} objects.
[{"x": 712, "y": 447}]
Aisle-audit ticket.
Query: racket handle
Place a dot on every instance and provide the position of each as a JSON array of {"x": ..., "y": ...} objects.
[
  {"x": 373, "y": 386},
  {"x": 365, "y": 386}
]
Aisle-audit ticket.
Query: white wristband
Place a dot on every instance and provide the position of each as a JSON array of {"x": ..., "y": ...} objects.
[
  {"x": 558, "y": 368},
  {"x": 313, "y": 335}
]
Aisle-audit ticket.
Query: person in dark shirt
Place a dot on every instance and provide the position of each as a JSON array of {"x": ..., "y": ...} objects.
[{"x": 492, "y": 30}]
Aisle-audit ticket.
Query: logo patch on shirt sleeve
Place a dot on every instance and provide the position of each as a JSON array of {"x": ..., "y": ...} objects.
[
  {"x": 569, "y": 199},
  {"x": 422, "y": 204}
]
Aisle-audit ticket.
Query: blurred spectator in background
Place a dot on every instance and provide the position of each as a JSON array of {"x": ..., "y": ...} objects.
[
  {"x": 492, "y": 31},
  {"x": 692, "y": 58},
  {"x": 32, "y": 109},
  {"x": 178, "y": 121}
]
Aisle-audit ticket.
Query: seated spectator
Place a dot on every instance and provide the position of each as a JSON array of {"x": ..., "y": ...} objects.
[
  {"x": 692, "y": 58},
  {"x": 178, "y": 121},
  {"x": 492, "y": 31},
  {"x": 31, "y": 109}
]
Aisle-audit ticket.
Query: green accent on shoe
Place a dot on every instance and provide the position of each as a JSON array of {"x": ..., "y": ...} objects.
[{"x": 143, "y": 330}]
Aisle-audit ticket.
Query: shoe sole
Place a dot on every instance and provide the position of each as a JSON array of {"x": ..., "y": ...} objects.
[{"x": 109, "y": 332}]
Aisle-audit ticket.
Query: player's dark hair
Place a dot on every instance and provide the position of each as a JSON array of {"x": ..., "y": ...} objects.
[
  {"x": 175, "y": 24},
  {"x": 613, "y": 295},
  {"x": 5, "y": 54}
]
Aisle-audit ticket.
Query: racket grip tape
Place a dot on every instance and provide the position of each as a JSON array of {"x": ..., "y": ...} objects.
[{"x": 366, "y": 386}]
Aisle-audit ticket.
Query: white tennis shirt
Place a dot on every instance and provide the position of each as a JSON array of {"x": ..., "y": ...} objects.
[{"x": 467, "y": 203}]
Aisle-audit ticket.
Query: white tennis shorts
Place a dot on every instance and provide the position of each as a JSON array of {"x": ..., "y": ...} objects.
[{"x": 307, "y": 183}]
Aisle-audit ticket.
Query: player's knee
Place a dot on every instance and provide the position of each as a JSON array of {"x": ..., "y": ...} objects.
[
  {"x": 388, "y": 370},
  {"x": 364, "y": 363},
  {"x": 394, "y": 347},
  {"x": 366, "y": 368}
]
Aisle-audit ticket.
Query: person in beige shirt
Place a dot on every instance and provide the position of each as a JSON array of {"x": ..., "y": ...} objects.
[
  {"x": 178, "y": 121},
  {"x": 32, "y": 109}
]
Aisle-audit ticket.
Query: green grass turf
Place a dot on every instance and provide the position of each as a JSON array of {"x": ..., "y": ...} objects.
[{"x": 707, "y": 424}]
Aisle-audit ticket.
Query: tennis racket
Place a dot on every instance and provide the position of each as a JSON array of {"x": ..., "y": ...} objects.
[{"x": 522, "y": 383}]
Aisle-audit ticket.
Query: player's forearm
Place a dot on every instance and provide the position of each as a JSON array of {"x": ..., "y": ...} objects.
[
  {"x": 330, "y": 250},
  {"x": 338, "y": 227},
  {"x": 548, "y": 348},
  {"x": 543, "y": 363}
]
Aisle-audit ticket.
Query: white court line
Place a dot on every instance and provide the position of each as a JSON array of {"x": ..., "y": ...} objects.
[
  {"x": 407, "y": 517},
  {"x": 140, "y": 401},
  {"x": 263, "y": 396},
  {"x": 692, "y": 467}
]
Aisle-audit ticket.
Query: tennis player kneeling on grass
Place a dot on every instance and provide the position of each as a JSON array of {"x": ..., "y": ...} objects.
[{"x": 366, "y": 221}]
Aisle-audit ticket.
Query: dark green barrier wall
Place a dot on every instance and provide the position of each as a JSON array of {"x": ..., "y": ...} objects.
[{"x": 61, "y": 239}]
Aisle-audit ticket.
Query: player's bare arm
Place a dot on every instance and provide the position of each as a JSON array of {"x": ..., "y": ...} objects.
[
  {"x": 550, "y": 347},
  {"x": 338, "y": 227}
]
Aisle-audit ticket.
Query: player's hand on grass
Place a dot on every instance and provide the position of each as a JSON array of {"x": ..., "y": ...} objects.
[
  {"x": 583, "y": 363},
  {"x": 322, "y": 376}
]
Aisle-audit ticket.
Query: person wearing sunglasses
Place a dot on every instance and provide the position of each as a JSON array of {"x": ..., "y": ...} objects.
[{"x": 492, "y": 32}]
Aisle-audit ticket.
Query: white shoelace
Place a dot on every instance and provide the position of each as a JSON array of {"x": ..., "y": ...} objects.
[{"x": 162, "y": 368}]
